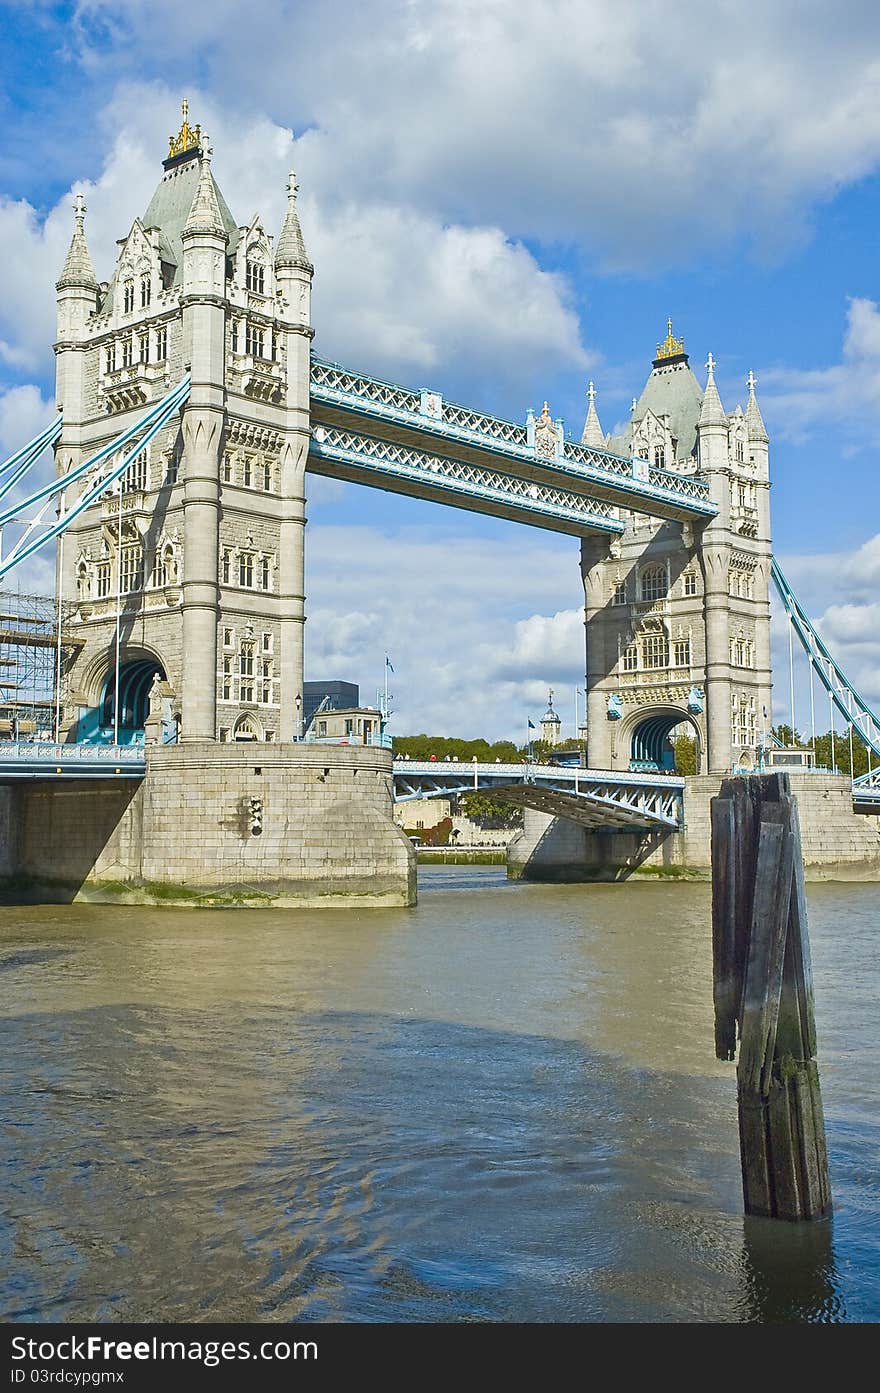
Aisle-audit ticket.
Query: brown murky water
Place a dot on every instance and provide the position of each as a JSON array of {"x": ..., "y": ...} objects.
[{"x": 500, "y": 1105}]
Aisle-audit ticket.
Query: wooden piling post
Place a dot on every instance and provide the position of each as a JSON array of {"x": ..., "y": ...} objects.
[{"x": 763, "y": 992}]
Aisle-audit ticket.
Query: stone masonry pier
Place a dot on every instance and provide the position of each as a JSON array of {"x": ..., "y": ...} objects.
[{"x": 215, "y": 824}]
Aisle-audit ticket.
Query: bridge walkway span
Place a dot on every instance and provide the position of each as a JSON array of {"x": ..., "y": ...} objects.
[{"x": 593, "y": 797}]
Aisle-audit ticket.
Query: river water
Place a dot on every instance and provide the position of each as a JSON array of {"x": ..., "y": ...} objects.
[{"x": 500, "y": 1105}]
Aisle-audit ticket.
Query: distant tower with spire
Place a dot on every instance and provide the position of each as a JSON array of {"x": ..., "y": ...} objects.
[
  {"x": 678, "y": 614},
  {"x": 551, "y": 726},
  {"x": 207, "y": 561}
]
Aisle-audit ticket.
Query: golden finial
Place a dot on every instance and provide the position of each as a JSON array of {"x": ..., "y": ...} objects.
[
  {"x": 188, "y": 137},
  {"x": 671, "y": 347},
  {"x": 545, "y": 414}
]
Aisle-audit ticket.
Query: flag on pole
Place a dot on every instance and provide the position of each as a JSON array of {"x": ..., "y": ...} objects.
[
  {"x": 531, "y": 725},
  {"x": 388, "y": 662}
]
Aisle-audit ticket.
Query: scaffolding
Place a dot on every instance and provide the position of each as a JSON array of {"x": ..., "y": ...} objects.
[{"x": 33, "y": 665}]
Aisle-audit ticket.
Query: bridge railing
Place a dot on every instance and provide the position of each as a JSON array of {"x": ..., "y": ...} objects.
[
  {"x": 428, "y": 410},
  {"x": 47, "y": 752}
]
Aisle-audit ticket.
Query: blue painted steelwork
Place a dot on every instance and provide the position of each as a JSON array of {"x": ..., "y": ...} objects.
[
  {"x": 597, "y": 796},
  {"x": 631, "y": 483},
  {"x": 853, "y": 707},
  {"x": 463, "y": 484},
  {"x": 150, "y": 424},
  {"x": 18, "y": 464},
  {"x": 43, "y": 760},
  {"x": 649, "y": 742}
]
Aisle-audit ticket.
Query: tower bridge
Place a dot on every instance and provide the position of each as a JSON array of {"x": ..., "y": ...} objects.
[{"x": 192, "y": 408}]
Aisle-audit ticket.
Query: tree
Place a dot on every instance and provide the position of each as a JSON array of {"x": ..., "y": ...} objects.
[
  {"x": 685, "y": 755},
  {"x": 488, "y": 811}
]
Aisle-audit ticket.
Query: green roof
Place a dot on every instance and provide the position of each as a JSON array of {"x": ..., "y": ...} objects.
[
  {"x": 168, "y": 211},
  {"x": 673, "y": 391}
]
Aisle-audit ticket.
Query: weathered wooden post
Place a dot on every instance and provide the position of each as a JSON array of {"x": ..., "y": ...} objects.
[{"x": 763, "y": 993}]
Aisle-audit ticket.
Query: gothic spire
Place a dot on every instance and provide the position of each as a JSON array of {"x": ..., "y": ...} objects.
[
  {"x": 204, "y": 213},
  {"x": 291, "y": 249},
  {"x": 592, "y": 434},
  {"x": 78, "y": 269},
  {"x": 754, "y": 419},
  {"x": 712, "y": 412}
]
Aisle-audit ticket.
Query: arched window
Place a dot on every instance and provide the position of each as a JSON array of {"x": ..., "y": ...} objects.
[
  {"x": 247, "y": 728},
  {"x": 659, "y": 456},
  {"x": 255, "y": 276},
  {"x": 82, "y": 581},
  {"x": 145, "y": 291},
  {"x": 131, "y": 575},
  {"x": 128, "y": 297},
  {"x": 655, "y": 583},
  {"x": 246, "y": 671}
]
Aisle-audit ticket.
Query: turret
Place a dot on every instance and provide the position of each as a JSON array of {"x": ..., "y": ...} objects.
[
  {"x": 293, "y": 274},
  {"x": 714, "y": 552},
  {"x": 77, "y": 300},
  {"x": 203, "y": 301},
  {"x": 593, "y": 434}
]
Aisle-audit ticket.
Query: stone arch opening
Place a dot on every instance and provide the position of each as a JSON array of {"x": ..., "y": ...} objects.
[
  {"x": 136, "y": 677},
  {"x": 651, "y": 748}
]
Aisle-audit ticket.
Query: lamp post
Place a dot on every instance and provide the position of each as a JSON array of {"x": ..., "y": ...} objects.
[{"x": 299, "y": 702}]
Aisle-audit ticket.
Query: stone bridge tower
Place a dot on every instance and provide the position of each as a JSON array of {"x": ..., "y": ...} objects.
[
  {"x": 202, "y": 554},
  {"x": 678, "y": 615}
]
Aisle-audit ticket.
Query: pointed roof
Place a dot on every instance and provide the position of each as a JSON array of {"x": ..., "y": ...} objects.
[
  {"x": 204, "y": 214},
  {"x": 673, "y": 391},
  {"x": 291, "y": 250},
  {"x": 78, "y": 269},
  {"x": 712, "y": 412},
  {"x": 170, "y": 206},
  {"x": 754, "y": 419},
  {"x": 592, "y": 433}
]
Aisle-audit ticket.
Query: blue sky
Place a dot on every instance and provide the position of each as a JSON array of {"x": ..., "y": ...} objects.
[{"x": 501, "y": 202}]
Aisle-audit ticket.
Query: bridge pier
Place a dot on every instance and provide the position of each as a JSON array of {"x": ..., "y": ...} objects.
[{"x": 252, "y": 824}]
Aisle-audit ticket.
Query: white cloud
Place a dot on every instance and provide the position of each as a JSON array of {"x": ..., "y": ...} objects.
[
  {"x": 647, "y": 132},
  {"x": 843, "y": 397},
  {"x": 448, "y": 612},
  {"x": 397, "y": 290},
  {"x": 838, "y": 592}
]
